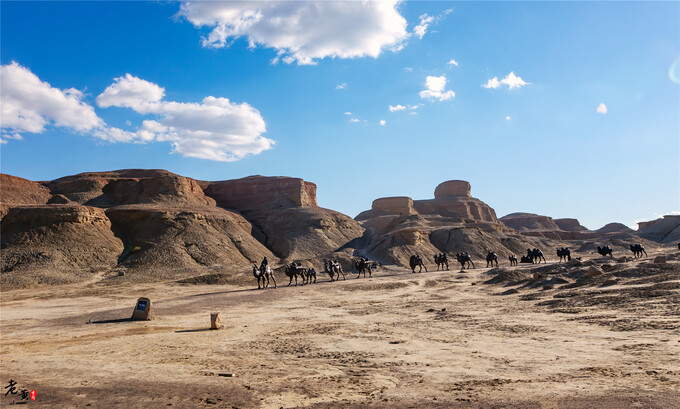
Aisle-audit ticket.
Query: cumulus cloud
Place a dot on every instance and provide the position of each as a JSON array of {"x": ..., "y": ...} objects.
[
  {"x": 382, "y": 122},
  {"x": 453, "y": 62},
  {"x": 341, "y": 86},
  {"x": 511, "y": 81},
  {"x": 601, "y": 109},
  {"x": 29, "y": 104},
  {"x": 435, "y": 89},
  {"x": 353, "y": 120},
  {"x": 215, "y": 128},
  {"x": 396, "y": 108},
  {"x": 507, "y": 118},
  {"x": 347, "y": 113},
  {"x": 302, "y": 31},
  {"x": 130, "y": 92}
]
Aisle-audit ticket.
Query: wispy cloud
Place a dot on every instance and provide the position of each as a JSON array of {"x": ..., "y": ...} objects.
[
  {"x": 347, "y": 113},
  {"x": 341, "y": 86},
  {"x": 601, "y": 109},
  {"x": 353, "y": 120},
  {"x": 453, "y": 62},
  {"x": 382, "y": 122},
  {"x": 426, "y": 20}
]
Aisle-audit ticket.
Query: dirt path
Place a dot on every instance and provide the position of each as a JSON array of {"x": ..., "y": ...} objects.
[{"x": 438, "y": 339}]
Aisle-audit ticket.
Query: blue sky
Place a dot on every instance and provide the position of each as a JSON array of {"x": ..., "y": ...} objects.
[{"x": 534, "y": 143}]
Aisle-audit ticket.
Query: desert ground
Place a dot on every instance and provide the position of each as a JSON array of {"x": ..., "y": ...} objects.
[{"x": 435, "y": 339}]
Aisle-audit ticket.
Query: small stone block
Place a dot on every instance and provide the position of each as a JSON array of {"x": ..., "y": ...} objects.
[{"x": 215, "y": 320}]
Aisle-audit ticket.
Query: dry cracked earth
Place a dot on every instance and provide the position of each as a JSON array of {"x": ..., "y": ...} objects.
[{"x": 482, "y": 338}]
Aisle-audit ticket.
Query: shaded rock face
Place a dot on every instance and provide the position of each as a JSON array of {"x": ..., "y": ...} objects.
[
  {"x": 286, "y": 211},
  {"x": 55, "y": 244},
  {"x": 164, "y": 241},
  {"x": 664, "y": 230}
]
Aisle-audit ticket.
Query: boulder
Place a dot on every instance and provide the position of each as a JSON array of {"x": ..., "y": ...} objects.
[
  {"x": 594, "y": 271},
  {"x": 660, "y": 259},
  {"x": 215, "y": 320}
]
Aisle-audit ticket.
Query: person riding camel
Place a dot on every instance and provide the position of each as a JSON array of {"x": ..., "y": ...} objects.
[{"x": 264, "y": 263}]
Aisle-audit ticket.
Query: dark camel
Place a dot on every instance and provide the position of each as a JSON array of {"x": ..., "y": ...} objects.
[
  {"x": 564, "y": 253},
  {"x": 464, "y": 258},
  {"x": 534, "y": 255},
  {"x": 334, "y": 268},
  {"x": 605, "y": 251},
  {"x": 637, "y": 250},
  {"x": 416, "y": 261},
  {"x": 363, "y": 265},
  {"x": 293, "y": 270},
  {"x": 513, "y": 260},
  {"x": 441, "y": 260},
  {"x": 491, "y": 257}
]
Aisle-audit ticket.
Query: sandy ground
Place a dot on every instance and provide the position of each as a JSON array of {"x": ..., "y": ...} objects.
[{"x": 437, "y": 339}]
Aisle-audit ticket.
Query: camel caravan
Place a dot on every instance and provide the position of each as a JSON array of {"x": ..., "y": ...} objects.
[{"x": 295, "y": 271}]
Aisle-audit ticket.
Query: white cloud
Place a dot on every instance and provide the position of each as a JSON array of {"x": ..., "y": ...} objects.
[
  {"x": 408, "y": 69},
  {"x": 453, "y": 62},
  {"x": 347, "y": 113},
  {"x": 435, "y": 89},
  {"x": 382, "y": 122},
  {"x": 341, "y": 86},
  {"x": 214, "y": 129},
  {"x": 29, "y": 104},
  {"x": 354, "y": 120},
  {"x": 492, "y": 83},
  {"x": 396, "y": 108},
  {"x": 130, "y": 92},
  {"x": 416, "y": 106},
  {"x": 601, "y": 109},
  {"x": 421, "y": 28},
  {"x": 511, "y": 80},
  {"x": 426, "y": 20},
  {"x": 413, "y": 113},
  {"x": 507, "y": 118},
  {"x": 302, "y": 31}
]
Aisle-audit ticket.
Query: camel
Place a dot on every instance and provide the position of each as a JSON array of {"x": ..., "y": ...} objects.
[
  {"x": 308, "y": 275},
  {"x": 416, "y": 261},
  {"x": 334, "y": 268},
  {"x": 293, "y": 270},
  {"x": 441, "y": 260},
  {"x": 464, "y": 258},
  {"x": 513, "y": 260},
  {"x": 564, "y": 253},
  {"x": 362, "y": 265},
  {"x": 534, "y": 255},
  {"x": 526, "y": 259},
  {"x": 491, "y": 257},
  {"x": 267, "y": 272},
  {"x": 605, "y": 251},
  {"x": 637, "y": 250},
  {"x": 258, "y": 275}
]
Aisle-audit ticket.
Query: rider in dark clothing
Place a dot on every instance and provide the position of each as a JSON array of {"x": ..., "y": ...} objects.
[{"x": 264, "y": 263}]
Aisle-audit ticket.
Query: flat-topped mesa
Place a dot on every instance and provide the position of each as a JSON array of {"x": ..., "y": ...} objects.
[
  {"x": 397, "y": 205},
  {"x": 129, "y": 186},
  {"x": 452, "y": 199},
  {"x": 529, "y": 222},
  {"x": 262, "y": 192}
]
